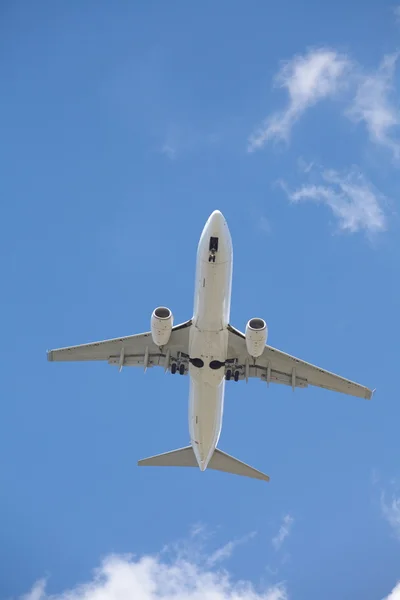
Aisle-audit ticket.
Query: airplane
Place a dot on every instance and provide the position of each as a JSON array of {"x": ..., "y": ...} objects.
[{"x": 211, "y": 351}]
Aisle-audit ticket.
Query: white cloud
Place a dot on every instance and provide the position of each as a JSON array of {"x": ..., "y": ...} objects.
[
  {"x": 394, "y": 594},
  {"x": 283, "y": 532},
  {"x": 373, "y": 105},
  {"x": 308, "y": 79},
  {"x": 148, "y": 578},
  {"x": 391, "y": 512},
  {"x": 356, "y": 203},
  {"x": 37, "y": 592}
]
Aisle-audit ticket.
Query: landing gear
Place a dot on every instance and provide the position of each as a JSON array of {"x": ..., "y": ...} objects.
[
  {"x": 181, "y": 369},
  {"x": 229, "y": 373},
  {"x": 211, "y": 258},
  {"x": 173, "y": 368}
]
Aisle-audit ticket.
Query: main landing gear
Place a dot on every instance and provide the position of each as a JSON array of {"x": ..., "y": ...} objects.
[
  {"x": 228, "y": 375},
  {"x": 174, "y": 368}
]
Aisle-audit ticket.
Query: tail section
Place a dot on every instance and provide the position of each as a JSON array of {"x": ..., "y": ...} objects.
[{"x": 220, "y": 461}]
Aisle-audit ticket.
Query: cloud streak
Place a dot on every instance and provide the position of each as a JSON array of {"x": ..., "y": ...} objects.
[
  {"x": 226, "y": 551},
  {"x": 373, "y": 105},
  {"x": 149, "y": 578},
  {"x": 354, "y": 201},
  {"x": 308, "y": 79},
  {"x": 283, "y": 532}
]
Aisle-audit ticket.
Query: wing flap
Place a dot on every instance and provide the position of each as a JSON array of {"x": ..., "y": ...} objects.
[{"x": 138, "y": 360}]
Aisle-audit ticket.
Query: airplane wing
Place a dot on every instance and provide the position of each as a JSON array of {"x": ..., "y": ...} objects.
[
  {"x": 132, "y": 351},
  {"x": 274, "y": 366}
]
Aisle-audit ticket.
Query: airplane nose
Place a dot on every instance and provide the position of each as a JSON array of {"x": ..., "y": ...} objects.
[{"x": 216, "y": 220}]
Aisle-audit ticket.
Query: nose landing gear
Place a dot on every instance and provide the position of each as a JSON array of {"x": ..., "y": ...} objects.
[{"x": 213, "y": 248}]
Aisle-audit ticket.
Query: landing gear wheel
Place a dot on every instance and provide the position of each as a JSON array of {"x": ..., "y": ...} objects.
[
  {"x": 236, "y": 376},
  {"x": 181, "y": 369},
  {"x": 228, "y": 375},
  {"x": 173, "y": 368}
]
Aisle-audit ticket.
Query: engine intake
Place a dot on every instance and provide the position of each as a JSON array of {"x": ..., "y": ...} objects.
[
  {"x": 161, "y": 325},
  {"x": 256, "y": 337}
]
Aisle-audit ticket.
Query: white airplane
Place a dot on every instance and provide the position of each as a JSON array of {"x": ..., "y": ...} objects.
[{"x": 210, "y": 351}]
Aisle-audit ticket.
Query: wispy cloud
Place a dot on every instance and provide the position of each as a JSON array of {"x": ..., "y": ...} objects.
[
  {"x": 283, "y": 532},
  {"x": 391, "y": 512},
  {"x": 374, "y": 105},
  {"x": 196, "y": 547},
  {"x": 225, "y": 551},
  {"x": 198, "y": 529},
  {"x": 308, "y": 79},
  {"x": 149, "y": 578},
  {"x": 356, "y": 203},
  {"x": 169, "y": 150}
]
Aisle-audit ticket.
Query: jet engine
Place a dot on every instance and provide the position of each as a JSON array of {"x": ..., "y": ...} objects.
[
  {"x": 256, "y": 337},
  {"x": 161, "y": 325}
]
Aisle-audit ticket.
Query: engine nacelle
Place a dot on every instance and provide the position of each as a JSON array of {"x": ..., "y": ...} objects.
[
  {"x": 161, "y": 325},
  {"x": 256, "y": 337}
]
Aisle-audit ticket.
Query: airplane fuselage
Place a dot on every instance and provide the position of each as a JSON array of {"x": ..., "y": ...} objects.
[{"x": 209, "y": 337}]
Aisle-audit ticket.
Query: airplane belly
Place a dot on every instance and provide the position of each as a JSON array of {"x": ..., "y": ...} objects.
[
  {"x": 213, "y": 293},
  {"x": 207, "y": 386},
  {"x": 205, "y": 418}
]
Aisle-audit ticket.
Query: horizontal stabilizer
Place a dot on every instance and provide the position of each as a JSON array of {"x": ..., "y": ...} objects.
[
  {"x": 184, "y": 457},
  {"x": 220, "y": 461}
]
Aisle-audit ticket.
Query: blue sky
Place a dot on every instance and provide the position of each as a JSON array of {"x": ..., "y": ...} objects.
[{"x": 123, "y": 126}]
